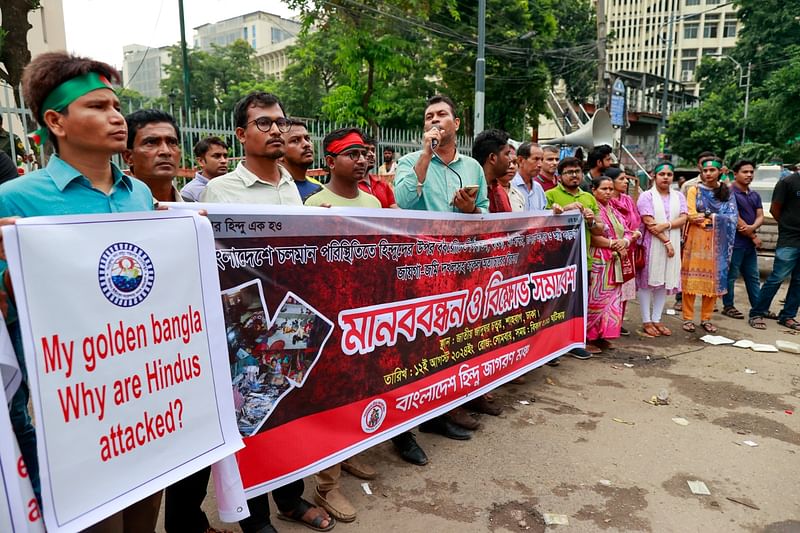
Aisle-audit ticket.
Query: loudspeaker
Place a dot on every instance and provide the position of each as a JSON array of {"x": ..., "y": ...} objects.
[{"x": 594, "y": 133}]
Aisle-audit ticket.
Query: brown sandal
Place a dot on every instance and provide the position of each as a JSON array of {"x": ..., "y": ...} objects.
[
  {"x": 689, "y": 326},
  {"x": 664, "y": 330},
  {"x": 651, "y": 329}
]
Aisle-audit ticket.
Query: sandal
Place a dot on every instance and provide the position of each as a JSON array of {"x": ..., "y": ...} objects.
[
  {"x": 757, "y": 322},
  {"x": 650, "y": 329},
  {"x": 770, "y": 315},
  {"x": 678, "y": 306},
  {"x": 689, "y": 326},
  {"x": 592, "y": 349},
  {"x": 300, "y": 514},
  {"x": 733, "y": 313},
  {"x": 790, "y": 323},
  {"x": 708, "y": 327},
  {"x": 664, "y": 330}
]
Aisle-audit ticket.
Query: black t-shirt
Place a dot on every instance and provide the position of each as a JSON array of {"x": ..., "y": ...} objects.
[
  {"x": 8, "y": 170},
  {"x": 787, "y": 193}
]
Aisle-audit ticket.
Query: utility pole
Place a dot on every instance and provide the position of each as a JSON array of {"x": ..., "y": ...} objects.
[
  {"x": 187, "y": 97},
  {"x": 480, "y": 69},
  {"x": 667, "y": 71},
  {"x": 602, "y": 97},
  {"x": 746, "y": 99}
]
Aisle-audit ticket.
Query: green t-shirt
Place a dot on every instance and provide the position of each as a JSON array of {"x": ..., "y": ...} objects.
[
  {"x": 561, "y": 196},
  {"x": 325, "y": 196}
]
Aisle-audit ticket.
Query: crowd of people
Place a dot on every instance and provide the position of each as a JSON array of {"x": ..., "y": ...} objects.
[{"x": 640, "y": 243}]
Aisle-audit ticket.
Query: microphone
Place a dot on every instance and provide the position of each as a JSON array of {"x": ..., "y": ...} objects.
[{"x": 435, "y": 142}]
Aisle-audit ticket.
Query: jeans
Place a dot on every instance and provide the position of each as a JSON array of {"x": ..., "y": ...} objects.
[
  {"x": 787, "y": 262},
  {"x": 183, "y": 501},
  {"x": 744, "y": 260},
  {"x": 20, "y": 418}
]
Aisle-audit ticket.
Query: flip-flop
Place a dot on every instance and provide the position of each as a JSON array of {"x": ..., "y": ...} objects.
[
  {"x": 732, "y": 312},
  {"x": 708, "y": 327},
  {"x": 664, "y": 330},
  {"x": 790, "y": 323},
  {"x": 297, "y": 514},
  {"x": 650, "y": 329}
]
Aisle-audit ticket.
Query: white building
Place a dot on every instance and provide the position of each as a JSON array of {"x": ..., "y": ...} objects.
[
  {"x": 143, "y": 68},
  {"x": 268, "y": 34},
  {"x": 640, "y": 32}
]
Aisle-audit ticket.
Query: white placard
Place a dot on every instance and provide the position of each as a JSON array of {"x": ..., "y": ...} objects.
[
  {"x": 125, "y": 349},
  {"x": 19, "y": 511}
]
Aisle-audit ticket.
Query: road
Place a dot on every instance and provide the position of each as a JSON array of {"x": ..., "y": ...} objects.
[{"x": 588, "y": 446}]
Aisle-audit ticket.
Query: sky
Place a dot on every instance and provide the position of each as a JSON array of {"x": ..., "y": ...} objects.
[{"x": 100, "y": 28}]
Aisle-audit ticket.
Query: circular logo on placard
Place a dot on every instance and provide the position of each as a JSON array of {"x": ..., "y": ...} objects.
[
  {"x": 126, "y": 274},
  {"x": 373, "y": 415}
]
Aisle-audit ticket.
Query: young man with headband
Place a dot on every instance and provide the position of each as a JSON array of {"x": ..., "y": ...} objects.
[{"x": 72, "y": 99}]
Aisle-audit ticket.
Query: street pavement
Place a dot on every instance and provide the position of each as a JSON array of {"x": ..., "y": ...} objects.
[{"x": 582, "y": 440}]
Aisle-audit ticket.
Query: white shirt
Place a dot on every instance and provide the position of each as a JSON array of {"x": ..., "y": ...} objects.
[{"x": 243, "y": 187}]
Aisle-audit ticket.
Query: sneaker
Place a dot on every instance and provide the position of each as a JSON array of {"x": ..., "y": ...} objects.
[
  {"x": 624, "y": 332},
  {"x": 580, "y": 353}
]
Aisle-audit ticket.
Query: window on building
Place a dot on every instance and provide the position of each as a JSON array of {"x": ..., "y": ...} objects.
[
  {"x": 712, "y": 2},
  {"x": 710, "y": 29},
  {"x": 710, "y": 51},
  {"x": 692, "y": 2},
  {"x": 729, "y": 29},
  {"x": 690, "y": 31},
  {"x": 688, "y": 65}
]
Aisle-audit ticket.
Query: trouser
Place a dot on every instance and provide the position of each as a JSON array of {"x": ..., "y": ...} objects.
[
  {"x": 286, "y": 498},
  {"x": 183, "y": 501},
  {"x": 706, "y": 307},
  {"x": 651, "y": 302},
  {"x": 140, "y": 517},
  {"x": 744, "y": 260},
  {"x": 20, "y": 418},
  {"x": 328, "y": 479},
  {"x": 787, "y": 263}
]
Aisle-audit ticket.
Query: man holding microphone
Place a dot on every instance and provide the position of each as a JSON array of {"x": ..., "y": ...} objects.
[{"x": 438, "y": 178}]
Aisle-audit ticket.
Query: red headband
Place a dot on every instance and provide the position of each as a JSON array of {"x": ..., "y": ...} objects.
[{"x": 348, "y": 142}]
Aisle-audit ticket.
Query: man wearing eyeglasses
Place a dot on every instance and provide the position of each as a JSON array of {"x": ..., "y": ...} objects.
[
  {"x": 346, "y": 157},
  {"x": 259, "y": 179},
  {"x": 438, "y": 178}
]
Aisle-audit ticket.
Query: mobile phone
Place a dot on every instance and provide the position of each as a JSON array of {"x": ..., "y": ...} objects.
[{"x": 470, "y": 188}]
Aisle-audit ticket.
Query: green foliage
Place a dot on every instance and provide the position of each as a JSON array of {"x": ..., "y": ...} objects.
[
  {"x": 212, "y": 74},
  {"x": 770, "y": 40},
  {"x": 770, "y": 30},
  {"x": 574, "y": 57},
  {"x": 714, "y": 126}
]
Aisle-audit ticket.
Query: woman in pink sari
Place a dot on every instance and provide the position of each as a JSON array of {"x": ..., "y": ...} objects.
[
  {"x": 626, "y": 208},
  {"x": 604, "y": 317}
]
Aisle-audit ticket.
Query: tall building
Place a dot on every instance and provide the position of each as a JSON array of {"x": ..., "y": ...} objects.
[
  {"x": 640, "y": 29},
  {"x": 268, "y": 34},
  {"x": 143, "y": 68}
]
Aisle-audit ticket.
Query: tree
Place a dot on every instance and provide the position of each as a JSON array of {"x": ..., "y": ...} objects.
[
  {"x": 574, "y": 54},
  {"x": 713, "y": 126},
  {"x": 373, "y": 46},
  {"x": 14, "y": 52},
  {"x": 212, "y": 73},
  {"x": 769, "y": 31}
]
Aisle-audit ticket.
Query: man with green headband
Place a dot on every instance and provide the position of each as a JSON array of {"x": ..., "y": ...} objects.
[{"x": 72, "y": 99}]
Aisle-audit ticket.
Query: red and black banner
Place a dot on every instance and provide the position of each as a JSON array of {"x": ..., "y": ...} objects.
[{"x": 348, "y": 326}]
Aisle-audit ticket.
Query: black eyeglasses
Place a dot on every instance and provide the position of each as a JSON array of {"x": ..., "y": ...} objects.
[
  {"x": 571, "y": 173},
  {"x": 265, "y": 124},
  {"x": 355, "y": 155}
]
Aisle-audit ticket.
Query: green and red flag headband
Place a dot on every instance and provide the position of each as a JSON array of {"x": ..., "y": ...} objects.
[
  {"x": 66, "y": 93},
  {"x": 661, "y": 166}
]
